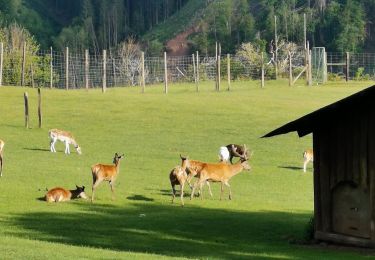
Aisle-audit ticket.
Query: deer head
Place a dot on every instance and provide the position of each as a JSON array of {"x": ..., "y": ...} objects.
[
  {"x": 80, "y": 192},
  {"x": 117, "y": 158},
  {"x": 184, "y": 161}
]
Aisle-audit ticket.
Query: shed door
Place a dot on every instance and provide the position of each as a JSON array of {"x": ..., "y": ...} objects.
[{"x": 351, "y": 211}]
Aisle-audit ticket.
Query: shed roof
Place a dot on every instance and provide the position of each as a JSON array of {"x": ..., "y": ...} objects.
[{"x": 327, "y": 115}]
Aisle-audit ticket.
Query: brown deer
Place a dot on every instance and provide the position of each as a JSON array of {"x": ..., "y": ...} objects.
[
  {"x": 221, "y": 172},
  {"x": 178, "y": 176},
  {"x": 236, "y": 150},
  {"x": 193, "y": 169},
  {"x": 104, "y": 172},
  {"x": 2, "y": 143},
  {"x": 60, "y": 194},
  {"x": 308, "y": 155}
]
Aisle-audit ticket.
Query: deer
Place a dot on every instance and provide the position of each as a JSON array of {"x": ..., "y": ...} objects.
[
  {"x": 221, "y": 172},
  {"x": 224, "y": 154},
  {"x": 178, "y": 176},
  {"x": 236, "y": 150},
  {"x": 193, "y": 168},
  {"x": 65, "y": 137},
  {"x": 2, "y": 144},
  {"x": 308, "y": 155},
  {"x": 105, "y": 172},
  {"x": 59, "y": 194}
]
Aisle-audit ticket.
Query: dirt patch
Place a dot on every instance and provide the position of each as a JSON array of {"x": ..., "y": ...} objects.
[{"x": 178, "y": 46}]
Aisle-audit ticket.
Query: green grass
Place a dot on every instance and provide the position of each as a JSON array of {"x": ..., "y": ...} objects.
[{"x": 271, "y": 205}]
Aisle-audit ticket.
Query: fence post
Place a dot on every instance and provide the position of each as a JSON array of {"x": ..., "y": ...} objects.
[
  {"x": 67, "y": 68},
  {"x": 197, "y": 71},
  {"x": 1, "y": 62},
  {"x": 40, "y": 108},
  {"x": 87, "y": 69},
  {"x": 262, "y": 73},
  {"x": 194, "y": 69},
  {"x": 310, "y": 69},
  {"x": 32, "y": 75},
  {"x": 23, "y": 64},
  {"x": 347, "y": 66},
  {"x": 143, "y": 72},
  {"x": 218, "y": 72},
  {"x": 290, "y": 70},
  {"x": 325, "y": 73},
  {"x": 26, "y": 98},
  {"x": 165, "y": 74},
  {"x": 228, "y": 70},
  {"x": 104, "y": 83},
  {"x": 307, "y": 62},
  {"x": 51, "y": 68}
]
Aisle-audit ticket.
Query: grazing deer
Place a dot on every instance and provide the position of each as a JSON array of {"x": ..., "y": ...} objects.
[
  {"x": 178, "y": 176},
  {"x": 236, "y": 150},
  {"x": 65, "y": 137},
  {"x": 308, "y": 155},
  {"x": 60, "y": 194},
  {"x": 103, "y": 172},
  {"x": 2, "y": 143},
  {"x": 193, "y": 169},
  {"x": 221, "y": 172}
]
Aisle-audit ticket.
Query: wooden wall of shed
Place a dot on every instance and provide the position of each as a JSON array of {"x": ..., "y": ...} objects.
[{"x": 343, "y": 152}]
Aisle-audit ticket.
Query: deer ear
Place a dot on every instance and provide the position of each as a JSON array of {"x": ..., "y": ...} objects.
[
  {"x": 83, "y": 187},
  {"x": 77, "y": 186}
]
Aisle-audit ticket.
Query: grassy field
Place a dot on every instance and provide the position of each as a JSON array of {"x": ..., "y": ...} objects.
[{"x": 271, "y": 205}]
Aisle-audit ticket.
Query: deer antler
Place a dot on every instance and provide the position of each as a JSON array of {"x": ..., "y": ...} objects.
[{"x": 234, "y": 151}]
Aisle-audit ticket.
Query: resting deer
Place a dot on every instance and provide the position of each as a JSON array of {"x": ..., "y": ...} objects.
[
  {"x": 104, "y": 172},
  {"x": 236, "y": 150},
  {"x": 65, "y": 137},
  {"x": 2, "y": 143},
  {"x": 60, "y": 194},
  {"x": 193, "y": 169},
  {"x": 178, "y": 176},
  {"x": 308, "y": 155},
  {"x": 221, "y": 172}
]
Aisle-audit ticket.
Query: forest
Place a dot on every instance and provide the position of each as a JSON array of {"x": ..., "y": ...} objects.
[{"x": 338, "y": 25}]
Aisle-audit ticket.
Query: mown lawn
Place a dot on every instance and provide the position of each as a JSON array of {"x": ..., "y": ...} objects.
[{"x": 271, "y": 205}]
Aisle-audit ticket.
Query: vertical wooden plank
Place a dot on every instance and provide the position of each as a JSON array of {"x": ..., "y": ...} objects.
[
  {"x": 39, "y": 108},
  {"x": 197, "y": 71},
  {"x": 347, "y": 66},
  {"x": 262, "y": 73},
  {"x": 114, "y": 70},
  {"x": 316, "y": 176},
  {"x": 104, "y": 76},
  {"x": 290, "y": 69},
  {"x": 165, "y": 74},
  {"x": 307, "y": 62},
  {"x": 276, "y": 56},
  {"x": 310, "y": 69},
  {"x": 218, "y": 72},
  {"x": 26, "y": 99},
  {"x": 304, "y": 30},
  {"x": 194, "y": 70},
  {"x": 228, "y": 70},
  {"x": 23, "y": 64},
  {"x": 87, "y": 62},
  {"x": 143, "y": 72},
  {"x": 67, "y": 68},
  {"x": 325, "y": 70},
  {"x": 51, "y": 69},
  {"x": 1, "y": 62},
  {"x": 32, "y": 75}
]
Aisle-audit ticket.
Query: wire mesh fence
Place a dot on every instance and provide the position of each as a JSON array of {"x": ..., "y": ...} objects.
[{"x": 64, "y": 69}]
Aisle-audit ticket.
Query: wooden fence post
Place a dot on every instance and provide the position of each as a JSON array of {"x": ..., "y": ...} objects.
[
  {"x": 1, "y": 62},
  {"x": 87, "y": 69},
  {"x": 104, "y": 76},
  {"x": 23, "y": 64},
  {"x": 32, "y": 75},
  {"x": 26, "y": 98},
  {"x": 197, "y": 60},
  {"x": 347, "y": 66},
  {"x": 262, "y": 73},
  {"x": 67, "y": 68},
  {"x": 218, "y": 72},
  {"x": 325, "y": 72},
  {"x": 51, "y": 68},
  {"x": 165, "y": 74},
  {"x": 307, "y": 62},
  {"x": 40, "y": 108},
  {"x": 310, "y": 69},
  {"x": 194, "y": 69},
  {"x": 143, "y": 72},
  {"x": 228, "y": 70},
  {"x": 290, "y": 70}
]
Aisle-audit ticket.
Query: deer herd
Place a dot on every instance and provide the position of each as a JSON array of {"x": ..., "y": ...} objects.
[{"x": 204, "y": 172}]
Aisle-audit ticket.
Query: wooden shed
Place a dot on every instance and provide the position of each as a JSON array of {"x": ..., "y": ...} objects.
[{"x": 344, "y": 167}]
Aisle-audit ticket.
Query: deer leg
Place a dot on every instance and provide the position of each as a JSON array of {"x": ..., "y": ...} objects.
[
  {"x": 304, "y": 165},
  {"x": 182, "y": 192},
  {"x": 209, "y": 188},
  {"x": 112, "y": 189},
  {"x": 201, "y": 183},
  {"x": 67, "y": 150},
  {"x": 230, "y": 192},
  {"x": 194, "y": 187},
  {"x": 52, "y": 145},
  {"x": 94, "y": 185},
  {"x": 173, "y": 192},
  {"x": 231, "y": 158},
  {"x": 221, "y": 190}
]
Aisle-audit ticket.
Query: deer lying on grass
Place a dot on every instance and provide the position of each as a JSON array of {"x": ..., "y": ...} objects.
[
  {"x": 2, "y": 143},
  {"x": 308, "y": 155},
  {"x": 193, "y": 169},
  {"x": 221, "y": 172},
  {"x": 60, "y": 194},
  {"x": 236, "y": 150},
  {"x": 65, "y": 137},
  {"x": 103, "y": 172},
  {"x": 178, "y": 176}
]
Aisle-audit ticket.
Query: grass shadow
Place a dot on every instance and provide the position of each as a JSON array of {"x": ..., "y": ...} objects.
[
  {"x": 37, "y": 149},
  {"x": 295, "y": 168},
  {"x": 139, "y": 198}
]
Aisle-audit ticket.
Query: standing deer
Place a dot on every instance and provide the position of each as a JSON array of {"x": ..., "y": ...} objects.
[
  {"x": 65, "y": 137},
  {"x": 178, "y": 176},
  {"x": 104, "y": 172},
  {"x": 308, "y": 155},
  {"x": 236, "y": 150},
  {"x": 60, "y": 194},
  {"x": 2, "y": 143},
  {"x": 221, "y": 172}
]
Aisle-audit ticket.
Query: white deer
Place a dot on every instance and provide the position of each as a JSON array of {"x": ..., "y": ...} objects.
[
  {"x": 308, "y": 155},
  {"x": 65, "y": 137}
]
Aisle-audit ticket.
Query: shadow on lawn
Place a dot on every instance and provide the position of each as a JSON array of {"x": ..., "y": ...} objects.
[
  {"x": 168, "y": 230},
  {"x": 37, "y": 149},
  {"x": 292, "y": 168}
]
